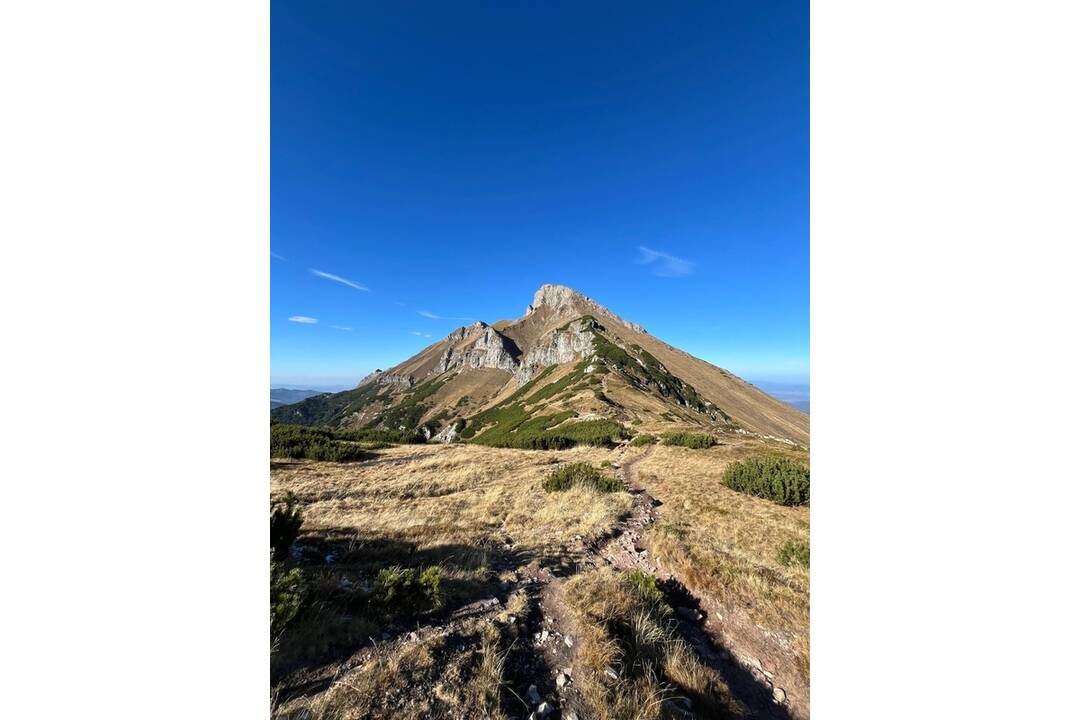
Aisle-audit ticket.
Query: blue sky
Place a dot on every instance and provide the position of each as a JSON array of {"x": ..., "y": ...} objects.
[{"x": 432, "y": 163}]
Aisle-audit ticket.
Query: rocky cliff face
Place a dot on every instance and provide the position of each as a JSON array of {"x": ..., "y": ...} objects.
[
  {"x": 562, "y": 346},
  {"x": 489, "y": 350}
]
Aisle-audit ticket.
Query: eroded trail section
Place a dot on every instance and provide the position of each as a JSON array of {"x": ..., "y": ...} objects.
[{"x": 726, "y": 650}]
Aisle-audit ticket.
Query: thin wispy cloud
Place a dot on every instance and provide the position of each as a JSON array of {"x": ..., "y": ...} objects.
[
  {"x": 338, "y": 279},
  {"x": 304, "y": 319},
  {"x": 664, "y": 264},
  {"x": 341, "y": 327},
  {"x": 417, "y": 333},
  {"x": 433, "y": 316},
  {"x": 279, "y": 257}
]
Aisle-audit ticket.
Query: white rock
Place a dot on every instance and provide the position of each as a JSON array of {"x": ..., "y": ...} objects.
[
  {"x": 545, "y": 709},
  {"x": 569, "y": 641},
  {"x": 561, "y": 680},
  {"x": 778, "y": 695}
]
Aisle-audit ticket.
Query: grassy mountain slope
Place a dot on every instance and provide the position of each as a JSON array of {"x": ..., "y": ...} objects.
[{"x": 567, "y": 360}]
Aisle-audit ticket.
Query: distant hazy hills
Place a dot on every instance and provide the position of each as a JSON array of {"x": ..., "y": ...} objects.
[
  {"x": 287, "y": 396},
  {"x": 566, "y": 360},
  {"x": 794, "y": 394}
]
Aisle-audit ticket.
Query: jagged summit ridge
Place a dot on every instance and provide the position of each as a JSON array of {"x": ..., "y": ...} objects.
[{"x": 563, "y": 300}]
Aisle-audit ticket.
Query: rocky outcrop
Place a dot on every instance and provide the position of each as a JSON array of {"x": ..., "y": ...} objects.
[
  {"x": 380, "y": 378},
  {"x": 489, "y": 350},
  {"x": 448, "y": 434},
  {"x": 568, "y": 302},
  {"x": 562, "y": 346},
  {"x": 463, "y": 332}
]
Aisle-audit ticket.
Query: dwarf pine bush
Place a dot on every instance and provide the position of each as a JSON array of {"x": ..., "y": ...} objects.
[
  {"x": 773, "y": 477},
  {"x": 285, "y": 522},
  {"x": 643, "y": 439},
  {"x": 287, "y": 592},
  {"x": 399, "y": 589},
  {"x": 299, "y": 442},
  {"x": 696, "y": 441},
  {"x": 582, "y": 474}
]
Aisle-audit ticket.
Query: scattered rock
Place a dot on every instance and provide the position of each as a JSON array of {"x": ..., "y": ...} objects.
[
  {"x": 678, "y": 707},
  {"x": 693, "y": 616},
  {"x": 569, "y": 641},
  {"x": 561, "y": 680},
  {"x": 570, "y": 715},
  {"x": 544, "y": 637},
  {"x": 414, "y": 636},
  {"x": 490, "y": 602},
  {"x": 534, "y": 695},
  {"x": 779, "y": 696},
  {"x": 545, "y": 709}
]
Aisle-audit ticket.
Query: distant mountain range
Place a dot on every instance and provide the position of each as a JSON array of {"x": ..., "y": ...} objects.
[{"x": 287, "y": 396}]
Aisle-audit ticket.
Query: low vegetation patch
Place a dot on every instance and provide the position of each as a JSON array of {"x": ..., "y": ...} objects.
[
  {"x": 696, "y": 441},
  {"x": 287, "y": 595},
  {"x": 649, "y": 589},
  {"x": 285, "y": 522},
  {"x": 623, "y": 628},
  {"x": 299, "y": 442},
  {"x": 643, "y": 439},
  {"x": 794, "y": 553},
  {"x": 581, "y": 474},
  {"x": 287, "y": 588},
  {"x": 399, "y": 589},
  {"x": 514, "y": 427},
  {"x": 773, "y": 477},
  {"x": 373, "y": 436}
]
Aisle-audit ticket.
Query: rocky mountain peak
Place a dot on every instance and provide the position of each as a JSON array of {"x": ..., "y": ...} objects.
[{"x": 558, "y": 298}]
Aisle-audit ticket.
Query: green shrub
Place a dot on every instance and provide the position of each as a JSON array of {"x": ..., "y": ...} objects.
[
  {"x": 599, "y": 433},
  {"x": 285, "y": 522},
  {"x": 697, "y": 441},
  {"x": 643, "y": 439},
  {"x": 300, "y": 442},
  {"x": 385, "y": 437},
  {"x": 773, "y": 477},
  {"x": 399, "y": 589},
  {"x": 581, "y": 474},
  {"x": 794, "y": 553},
  {"x": 650, "y": 590},
  {"x": 287, "y": 592}
]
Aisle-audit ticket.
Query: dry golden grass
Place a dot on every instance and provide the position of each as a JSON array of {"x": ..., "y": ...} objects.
[
  {"x": 725, "y": 544},
  {"x": 464, "y": 496},
  {"x": 457, "y": 507},
  {"x": 437, "y": 677},
  {"x": 619, "y": 629}
]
